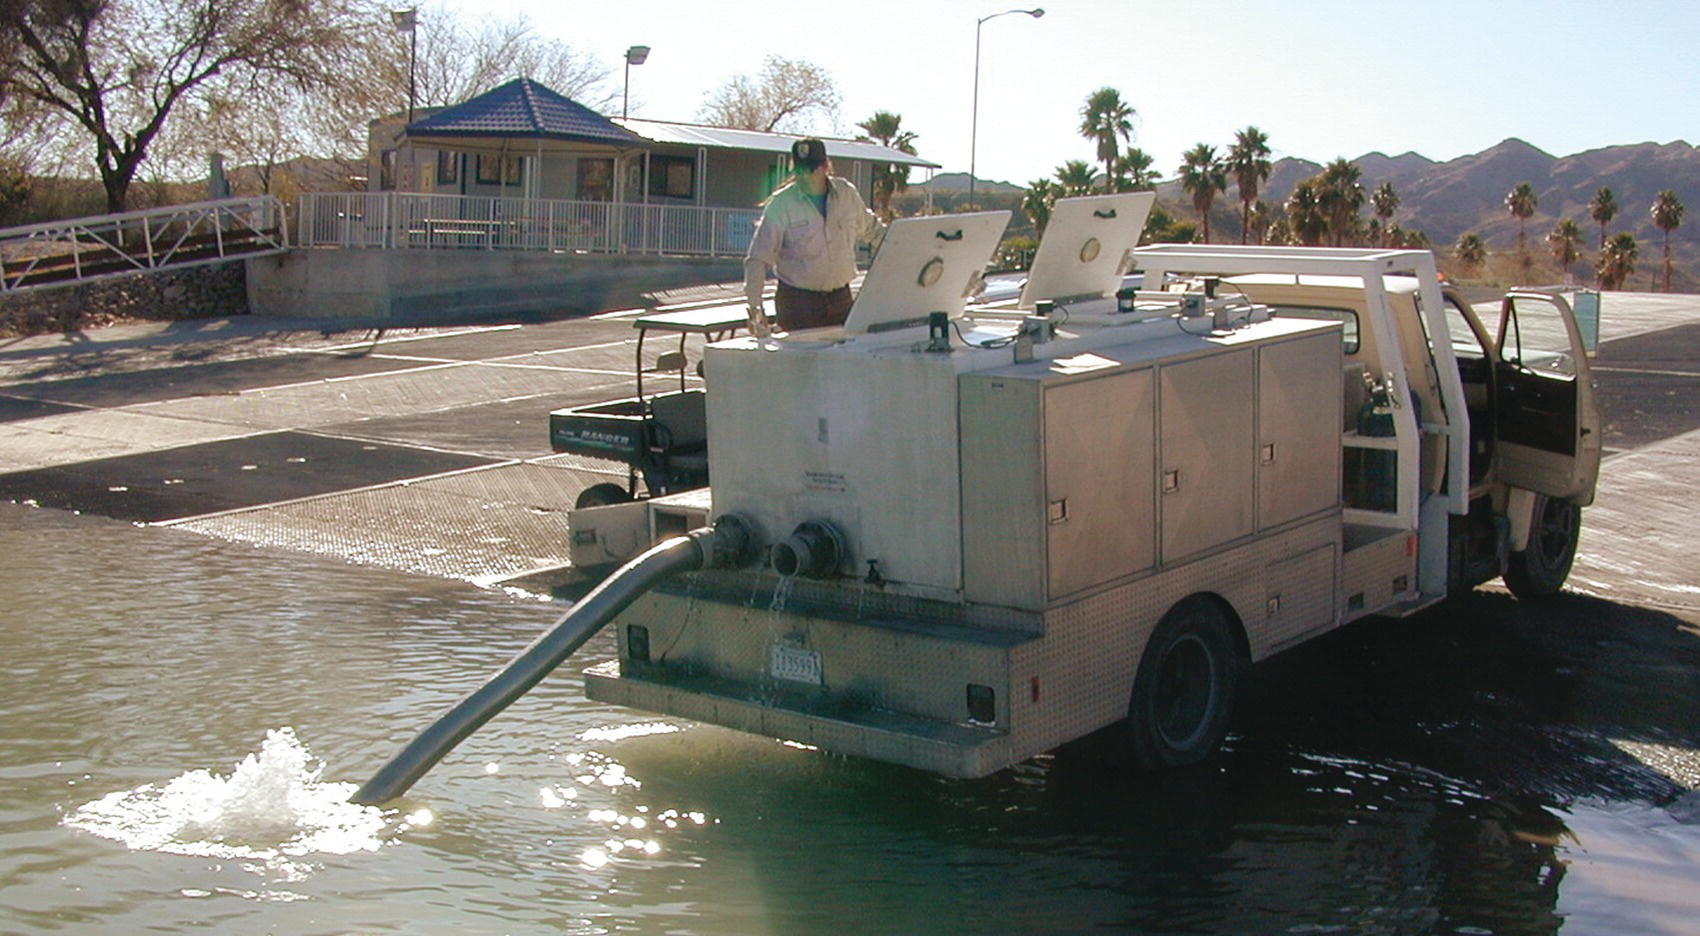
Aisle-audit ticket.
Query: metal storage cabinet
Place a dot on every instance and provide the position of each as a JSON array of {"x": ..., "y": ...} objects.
[
  {"x": 1298, "y": 457},
  {"x": 1057, "y": 482},
  {"x": 1207, "y": 408}
]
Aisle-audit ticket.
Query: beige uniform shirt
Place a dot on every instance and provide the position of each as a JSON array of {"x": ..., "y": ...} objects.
[{"x": 803, "y": 248}]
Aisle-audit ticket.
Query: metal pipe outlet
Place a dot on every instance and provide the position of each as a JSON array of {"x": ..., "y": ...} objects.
[{"x": 727, "y": 544}]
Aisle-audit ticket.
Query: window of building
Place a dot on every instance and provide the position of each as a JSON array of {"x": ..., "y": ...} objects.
[
  {"x": 498, "y": 170},
  {"x": 448, "y": 168},
  {"x": 386, "y": 170},
  {"x": 672, "y": 176},
  {"x": 596, "y": 180}
]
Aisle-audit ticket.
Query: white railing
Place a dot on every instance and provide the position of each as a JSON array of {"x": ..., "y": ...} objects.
[
  {"x": 80, "y": 249},
  {"x": 391, "y": 220}
]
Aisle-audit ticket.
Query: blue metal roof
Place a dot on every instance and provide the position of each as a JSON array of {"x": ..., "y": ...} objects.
[{"x": 524, "y": 109}]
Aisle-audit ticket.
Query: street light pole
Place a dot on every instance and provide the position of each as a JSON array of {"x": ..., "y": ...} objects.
[
  {"x": 974, "y": 119},
  {"x": 634, "y": 56},
  {"x": 409, "y": 20}
]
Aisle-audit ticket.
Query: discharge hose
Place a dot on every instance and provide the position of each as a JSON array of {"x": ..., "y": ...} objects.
[{"x": 726, "y": 544}]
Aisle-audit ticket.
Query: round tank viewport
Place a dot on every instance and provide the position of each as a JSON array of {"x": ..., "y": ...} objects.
[{"x": 813, "y": 550}]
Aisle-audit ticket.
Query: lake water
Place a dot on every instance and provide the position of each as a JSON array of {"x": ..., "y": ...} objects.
[{"x": 182, "y": 718}]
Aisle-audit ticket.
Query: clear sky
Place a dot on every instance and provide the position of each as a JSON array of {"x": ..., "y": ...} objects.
[{"x": 1323, "y": 78}]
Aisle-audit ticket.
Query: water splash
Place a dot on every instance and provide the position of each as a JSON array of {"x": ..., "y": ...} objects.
[{"x": 272, "y": 806}]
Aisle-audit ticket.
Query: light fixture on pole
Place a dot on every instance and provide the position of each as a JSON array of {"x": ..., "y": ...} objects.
[
  {"x": 974, "y": 125},
  {"x": 634, "y": 56},
  {"x": 407, "y": 21}
]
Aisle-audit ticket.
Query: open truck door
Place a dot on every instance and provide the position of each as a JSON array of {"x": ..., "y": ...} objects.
[{"x": 1547, "y": 419}]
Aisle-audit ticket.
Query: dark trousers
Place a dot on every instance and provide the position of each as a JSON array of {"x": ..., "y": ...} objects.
[{"x": 806, "y": 308}]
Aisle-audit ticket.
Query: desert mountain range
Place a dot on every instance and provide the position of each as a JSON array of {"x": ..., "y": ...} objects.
[{"x": 1447, "y": 199}]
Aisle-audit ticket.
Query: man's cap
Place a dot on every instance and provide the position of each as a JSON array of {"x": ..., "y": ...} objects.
[{"x": 809, "y": 153}]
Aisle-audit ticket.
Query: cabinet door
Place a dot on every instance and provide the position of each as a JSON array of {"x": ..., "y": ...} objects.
[
  {"x": 1099, "y": 467},
  {"x": 1207, "y": 456},
  {"x": 1298, "y": 414}
]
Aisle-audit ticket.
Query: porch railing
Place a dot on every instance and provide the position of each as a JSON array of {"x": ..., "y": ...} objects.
[
  {"x": 60, "y": 253},
  {"x": 391, "y": 220}
]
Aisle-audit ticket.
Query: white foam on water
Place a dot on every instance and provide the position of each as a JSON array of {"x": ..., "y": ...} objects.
[{"x": 272, "y": 807}]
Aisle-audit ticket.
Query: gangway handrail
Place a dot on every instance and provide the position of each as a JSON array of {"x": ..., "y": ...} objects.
[{"x": 76, "y": 250}]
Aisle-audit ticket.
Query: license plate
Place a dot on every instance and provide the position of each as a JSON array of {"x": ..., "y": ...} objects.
[{"x": 796, "y": 665}]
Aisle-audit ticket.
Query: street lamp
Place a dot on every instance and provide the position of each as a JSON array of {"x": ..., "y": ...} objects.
[
  {"x": 408, "y": 21},
  {"x": 634, "y": 56},
  {"x": 974, "y": 125}
]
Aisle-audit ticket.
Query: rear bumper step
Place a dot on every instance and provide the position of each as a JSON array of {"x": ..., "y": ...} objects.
[{"x": 952, "y": 749}]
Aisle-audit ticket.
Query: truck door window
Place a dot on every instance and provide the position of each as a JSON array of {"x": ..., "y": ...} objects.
[
  {"x": 1464, "y": 340},
  {"x": 1346, "y": 317},
  {"x": 1532, "y": 335}
]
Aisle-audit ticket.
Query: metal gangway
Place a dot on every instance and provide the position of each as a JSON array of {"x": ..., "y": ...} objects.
[{"x": 77, "y": 250}]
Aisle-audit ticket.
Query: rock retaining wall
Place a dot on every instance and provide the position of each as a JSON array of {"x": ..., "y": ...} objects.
[{"x": 213, "y": 290}]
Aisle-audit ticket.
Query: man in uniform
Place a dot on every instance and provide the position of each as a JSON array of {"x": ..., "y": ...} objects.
[{"x": 807, "y": 237}]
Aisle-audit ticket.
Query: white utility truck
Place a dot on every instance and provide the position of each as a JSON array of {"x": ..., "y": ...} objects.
[
  {"x": 954, "y": 538},
  {"x": 987, "y": 532}
]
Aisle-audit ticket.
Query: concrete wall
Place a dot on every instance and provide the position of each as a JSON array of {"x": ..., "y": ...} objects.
[
  {"x": 433, "y": 285},
  {"x": 206, "y": 290}
]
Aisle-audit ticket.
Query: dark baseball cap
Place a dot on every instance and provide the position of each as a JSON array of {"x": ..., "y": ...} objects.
[{"x": 809, "y": 153}]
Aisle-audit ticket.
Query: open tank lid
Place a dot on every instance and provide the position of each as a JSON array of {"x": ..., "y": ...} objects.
[
  {"x": 925, "y": 265},
  {"x": 1081, "y": 253}
]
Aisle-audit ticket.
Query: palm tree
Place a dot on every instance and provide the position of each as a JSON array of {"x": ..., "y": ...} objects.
[
  {"x": 1340, "y": 196},
  {"x": 1134, "y": 173},
  {"x": 1261, "y": 216},
  {"x": 1617, "y": 260},
  {"x": 1105, "y": 117},
  {"x": 1384, "y": 201},
  {"x": 1566, "y": 243},
  {"x": 1601, "y": 208},
  {"x": 1520, "y": 201},
  {"x": 886, "y": 129},
  {"x": 1036, "y": 204},
  {"x": 1248, "y": 160},
  {"x": 1202, "y": 176},
  {"x": 1076, "y": 177},
  {"x": 1306, "y": 221},
  {"x": 1667, "y": 215},
  {"x": 1471, "y": 251}
]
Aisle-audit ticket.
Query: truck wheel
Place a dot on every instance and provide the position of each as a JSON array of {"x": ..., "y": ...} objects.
[
  {"x": 1540, "y": 570},
  {"x": 601, "y": 495},
  {"x": 1184, "y": 692}
]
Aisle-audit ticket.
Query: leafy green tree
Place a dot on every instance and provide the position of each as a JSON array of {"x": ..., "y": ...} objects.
[
  {"x": 1472, "y": 253},
  {"x": 113, "y": 73},
  {"x": 1203, "y": 177},
  {"x": 1602, "y": 208},
  {"x": 1036, "y": 204},
  {"x": 1104, "y": 118},
  {"x": 1134, "y": 173},
  {"x": 1342, "y": 196},
  {"x": 1075, "y": 177},
  {"x": 1307, "y": 222},
  {"x": 1520, "y": 201},
  {"x": 889, "y": 179},
  {"x": 1667, "y": 216},
  {"x": 1248, "y": 161},
  {"x": 1384, "y": 201},
  {"x": 1279, "y": 232},
  {"x": 1617, "y": 260},
  {"x": 1565, "y": 241}
]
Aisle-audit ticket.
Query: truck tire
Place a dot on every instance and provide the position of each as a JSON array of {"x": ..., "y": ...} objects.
[
  {"x": 1539, "y": 571},
  {"x": 1184, "y": 692},
  {"x": 601, "y": 495}
]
